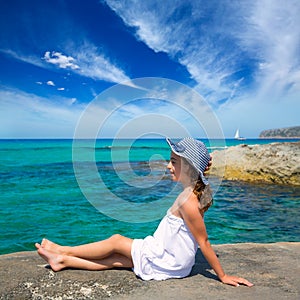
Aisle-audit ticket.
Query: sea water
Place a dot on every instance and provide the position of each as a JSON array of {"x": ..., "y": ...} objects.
[{"x": 41, "y": 195}]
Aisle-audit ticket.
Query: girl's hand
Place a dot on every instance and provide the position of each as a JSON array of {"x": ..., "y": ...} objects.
[
  {"x": 208, "y": 166},
  {"x": 235, "y": 281}
]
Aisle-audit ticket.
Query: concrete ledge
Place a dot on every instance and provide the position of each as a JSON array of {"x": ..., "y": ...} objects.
[{"x": 273, "y": 268}]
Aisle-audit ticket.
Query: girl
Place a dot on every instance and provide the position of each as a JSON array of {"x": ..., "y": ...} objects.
[{"x": 170, "y": 252}]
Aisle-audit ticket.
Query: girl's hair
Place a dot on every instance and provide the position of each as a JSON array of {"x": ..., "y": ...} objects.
[
  {"x": 204, "y": 195},
  {"x": 202, "y": 191}
]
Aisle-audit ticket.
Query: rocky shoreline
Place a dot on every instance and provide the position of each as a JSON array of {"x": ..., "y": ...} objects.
[
  {"x": 273, "y": 268},
  {"x": 277, "y": 163}
]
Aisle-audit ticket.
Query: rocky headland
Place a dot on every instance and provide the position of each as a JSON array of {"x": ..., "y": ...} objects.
[
  {"x": 289, "y": 132},
  {"x": 273, "y": 268},
  {"x": 273, "y": 163}
]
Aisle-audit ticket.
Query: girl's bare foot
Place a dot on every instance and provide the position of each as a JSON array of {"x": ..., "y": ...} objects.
[
  {"x": 56, "y": 261},
  {"x": 53, "y": 247}
]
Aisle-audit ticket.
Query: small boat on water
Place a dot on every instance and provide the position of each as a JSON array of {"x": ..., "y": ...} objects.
[{"x": 237, "y": 135}]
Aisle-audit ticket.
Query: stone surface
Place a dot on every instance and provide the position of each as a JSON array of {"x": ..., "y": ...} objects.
[
  {"x": 273, "y": 268},
  {"x": 274, "y": 163}
]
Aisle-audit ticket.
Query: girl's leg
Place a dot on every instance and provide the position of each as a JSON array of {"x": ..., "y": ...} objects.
[
  {"x": 94, "y": 251},
  {"x": 61, "y": 261}
]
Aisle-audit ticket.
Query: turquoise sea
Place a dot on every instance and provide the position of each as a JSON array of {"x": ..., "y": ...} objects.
[{"x": 40, "y": 195}]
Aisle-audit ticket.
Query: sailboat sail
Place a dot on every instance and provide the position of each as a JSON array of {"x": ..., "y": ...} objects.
[{"x": 237, "y": 134}]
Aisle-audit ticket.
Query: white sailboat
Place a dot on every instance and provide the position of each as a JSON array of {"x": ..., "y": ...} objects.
[{"x": 237, "y": 135}]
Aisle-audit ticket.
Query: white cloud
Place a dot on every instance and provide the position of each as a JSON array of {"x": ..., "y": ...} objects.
[
  {"x": 61, "y": 89},
  {"x": 50, "y": 82},
  {"x": 60, "y": 60}
]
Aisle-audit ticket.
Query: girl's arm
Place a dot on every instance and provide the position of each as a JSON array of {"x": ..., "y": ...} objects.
[{"x": 191, "y": 215}]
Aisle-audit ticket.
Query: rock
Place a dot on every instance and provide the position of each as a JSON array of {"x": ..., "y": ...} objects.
[
  {"x": 274, "y": 163},
  {"x": 290, "y": 132},
  {"x": 273, "y": 268}
]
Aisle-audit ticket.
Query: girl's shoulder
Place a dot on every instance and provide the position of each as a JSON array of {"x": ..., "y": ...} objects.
[
  {"x": 184, "y": 194},
  {"x": 189, "y": 209},
  {"x": 185, "y": 203},
  {"x": 187, "y": 197}
]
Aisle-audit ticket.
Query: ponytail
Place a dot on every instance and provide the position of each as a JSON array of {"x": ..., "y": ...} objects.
[
  {"x": 204, "y": 195},
  {"x": 202, "y": 191}
]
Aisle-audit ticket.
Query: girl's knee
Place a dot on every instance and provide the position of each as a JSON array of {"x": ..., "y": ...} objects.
[
  {"x": 116, "y": 239},
  {"x": 121, "y": 244}
]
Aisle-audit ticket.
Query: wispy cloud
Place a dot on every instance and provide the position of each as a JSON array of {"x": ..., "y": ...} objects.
[
  {"x": 18, "y": 55},
  {"x": 86, "y": 61},
  {"x": 224, "y": 45},
  {"x": 96, "y": 65},
  {"x": 273, "y": 33},
  {"x": 183, "y": 30},
  {"x": 243, "y": 56},
  {"x": 57, "y": 117},
  {"x": 36, "y": 116}
]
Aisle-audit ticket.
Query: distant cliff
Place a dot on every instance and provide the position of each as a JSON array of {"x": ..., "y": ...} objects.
[{"x": 290, "y": 132}]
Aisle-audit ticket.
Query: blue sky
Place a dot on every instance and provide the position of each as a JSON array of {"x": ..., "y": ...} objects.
[{"x": 57, "y": 56}]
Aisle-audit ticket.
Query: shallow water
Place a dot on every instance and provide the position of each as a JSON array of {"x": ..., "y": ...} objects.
[{"x": 40, "y": 196}]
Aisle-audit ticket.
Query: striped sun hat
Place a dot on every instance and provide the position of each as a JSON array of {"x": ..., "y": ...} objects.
[{"x": 194, "y": 151}]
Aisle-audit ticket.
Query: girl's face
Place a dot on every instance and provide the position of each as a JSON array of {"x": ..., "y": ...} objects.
[
  {"x": 174, "y": 166},
  {"x": 178, "y": 170}
]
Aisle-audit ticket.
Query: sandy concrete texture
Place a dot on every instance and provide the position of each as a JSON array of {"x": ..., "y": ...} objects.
[{"x": 273, "y": 268}]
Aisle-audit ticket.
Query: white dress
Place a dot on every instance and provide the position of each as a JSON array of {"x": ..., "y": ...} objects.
[{"x": 169, "y": 253}]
